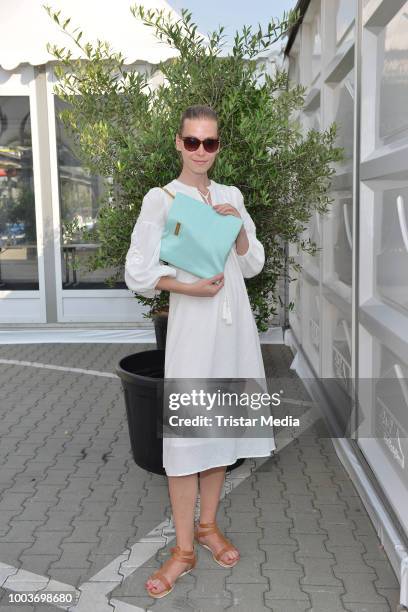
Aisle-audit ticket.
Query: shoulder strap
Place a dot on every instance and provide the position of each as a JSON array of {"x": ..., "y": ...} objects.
[{"x": 167, "y": 191}]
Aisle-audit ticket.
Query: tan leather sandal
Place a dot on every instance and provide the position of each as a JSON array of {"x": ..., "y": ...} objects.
[
  {"x": 186, "y": 556},
  {"x": 209, "y": 529}
]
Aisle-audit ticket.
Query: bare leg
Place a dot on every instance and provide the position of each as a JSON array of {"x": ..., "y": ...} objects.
[
  {"x": 211, "y": 483},
  {"x": 183, "y": 495}
]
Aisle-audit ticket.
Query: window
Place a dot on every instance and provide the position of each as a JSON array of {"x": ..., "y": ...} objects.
[
  {"x": 392, "y": 249},
  {"x": 316, "y": 45},
  {"x": 18, "y": 232},
  {"x": 345, "y": 12},
  {"x": 393, "y": 60},
  {"x": 343, "y": 240},
  {"x": 81, "y": 195},
  {"x": 344, "y": 112}
]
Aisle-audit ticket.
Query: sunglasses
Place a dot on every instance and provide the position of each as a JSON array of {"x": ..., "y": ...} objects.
[{"x": 192, "y": 144}]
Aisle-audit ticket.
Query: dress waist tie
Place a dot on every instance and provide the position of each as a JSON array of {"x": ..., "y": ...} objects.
[{"x": 226, "y": 309}]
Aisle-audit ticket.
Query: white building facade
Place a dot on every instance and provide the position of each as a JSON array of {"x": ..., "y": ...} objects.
[{"x": 350, "y": 321}]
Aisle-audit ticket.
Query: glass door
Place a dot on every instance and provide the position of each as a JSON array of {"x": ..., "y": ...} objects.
[{"x": 22, "y": 291}]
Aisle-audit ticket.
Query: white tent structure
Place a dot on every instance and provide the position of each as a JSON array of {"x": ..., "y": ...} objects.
[
  {"x": 38, "y": 285},
  {"x": 26, "y": 27}
]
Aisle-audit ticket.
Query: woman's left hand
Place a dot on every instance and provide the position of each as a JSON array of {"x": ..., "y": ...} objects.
[{"x": 226, "y": 209}]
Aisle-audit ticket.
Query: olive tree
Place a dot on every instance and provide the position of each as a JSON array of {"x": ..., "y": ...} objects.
[{"x": 124, "y": 129}]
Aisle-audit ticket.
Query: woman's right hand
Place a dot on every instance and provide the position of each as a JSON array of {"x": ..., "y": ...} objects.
[{"x": 206, "y": 287}]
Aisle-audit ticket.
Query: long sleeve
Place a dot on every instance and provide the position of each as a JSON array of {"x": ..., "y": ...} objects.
[
  {"x": 143, "y": 268},
  {"x": 251, "y": 262}
]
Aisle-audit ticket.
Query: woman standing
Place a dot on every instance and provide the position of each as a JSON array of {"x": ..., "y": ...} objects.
[{"x": 211, "y": 334}]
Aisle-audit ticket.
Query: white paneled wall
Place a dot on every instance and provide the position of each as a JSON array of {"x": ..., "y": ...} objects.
[{"x": 323, "y": 58}]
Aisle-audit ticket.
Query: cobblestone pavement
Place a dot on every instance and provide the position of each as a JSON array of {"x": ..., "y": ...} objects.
[{"x": 72, "y": 501}]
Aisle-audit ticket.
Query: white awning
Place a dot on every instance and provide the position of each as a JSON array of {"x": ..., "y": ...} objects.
[{"x": 26, "y": 28}]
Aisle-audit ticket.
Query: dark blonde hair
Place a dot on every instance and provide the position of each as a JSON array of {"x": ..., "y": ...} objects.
[{"x": 197, "y": 111}]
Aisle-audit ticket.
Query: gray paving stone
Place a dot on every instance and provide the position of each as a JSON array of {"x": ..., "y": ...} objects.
[
  {"x": 85, "y": 531},
  {"x": 6, "y": 518},
  {"x": 288, "y": 457},
  {"x": 347, "y": 489},
  {"x": 7, "y": 474},
  {"x": 361, "y": 588},
  {"x": 13, "y": 501},
  {"x": 243, "y": 503},
  {"x": 203, "y": 605},
  {"x": 371, "y": 607},
  {"x": 57, "y": 521},
  {"x": 325, "y": 598},
  {"x": 308, "y": 523},
  {"x": 247, "y": 544},
  {"x": 274, "y": 513},
  {"x": 297, "y": 486},
  {"x": 47, "y": 542},
  {"x": 210, "y": 583},
  {"x": 23, "y": 531},
  {"x": 247, "y": 487},
  {"x": 243, "y": 522},
  {"x": 328, "y": 495},
  {"x": 299, "y": 503},
  {"x": 14, "y": 461},
  {"x": 280, "y": 558},
  {"x": 392, "y": 596},
  {"x": 272, "y": 494},
  {"x": 121, "y": 521},
  {"x": 386, "y": 576},
  {"x": 313, "y": 545},
  {"x": 213, "y": 604},
  {"x": 350, "y": 560},
  {"x": 68, "y": 575},
  {"x": 33, "y": 511},
  {"x": 23, "y": 484},
  {"x": 143, "y": 528},
  {"x": 284, "y": 585},
  {"x": 39, "y": 564},
  {"x": 247, "y": 571},
  {"x": 286, "y": 605},
  {"x": 74, "y": 556},
  {"x": 332, "y": 514},
  {"x": 321, "y": 479},
  {"x": 141, "y": 602},
  {"x": 318, "y": 571},
  {"x": 374, "y": 548},
  {"x": 316, "y": 465},
  {"x": 12, "y": 608},
  {"x": 334, "y": 549},
  {"x": 273, "y": 473},
  {"x": 362, "y": 525},
  {"x": 277, "y": 533},
  {"x": 247, "y": 597},
  {"x": 10, "y": 552},
  {"x": 113, "y": 542},
  {"x": 342, "y": 535},
  {"x": 354, "y": 504}
]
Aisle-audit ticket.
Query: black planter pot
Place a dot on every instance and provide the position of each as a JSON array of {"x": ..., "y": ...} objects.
[
  {"x": 160, "y": 329},
  {"x": 142, "y": 375}
]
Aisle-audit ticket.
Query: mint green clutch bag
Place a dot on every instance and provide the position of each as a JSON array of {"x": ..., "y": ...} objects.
[{"x": 196, "y": 238}]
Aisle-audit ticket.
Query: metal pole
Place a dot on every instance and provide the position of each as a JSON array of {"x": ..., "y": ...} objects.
[{"x": 356, "y": 210}]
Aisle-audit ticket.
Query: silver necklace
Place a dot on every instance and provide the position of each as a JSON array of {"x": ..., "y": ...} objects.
[{"x": 205, "y": 196}]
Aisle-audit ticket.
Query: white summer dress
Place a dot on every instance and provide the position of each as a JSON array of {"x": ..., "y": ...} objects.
[{"x": 207, "y": 337}]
